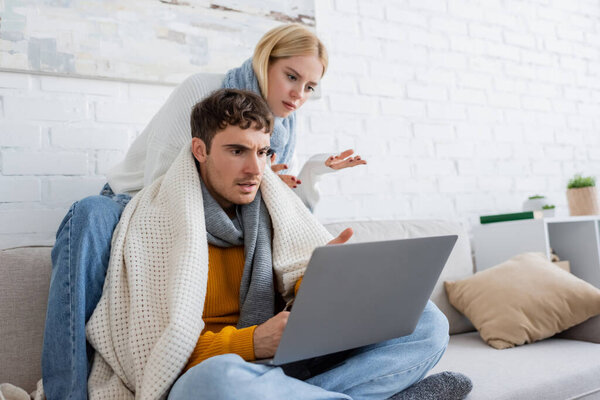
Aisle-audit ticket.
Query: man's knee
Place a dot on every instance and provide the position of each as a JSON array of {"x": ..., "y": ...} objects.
[
  {"x": 219, "y": 367},
  {"x": 436, "y": 326},
  {"x": 214, "y": 375}
]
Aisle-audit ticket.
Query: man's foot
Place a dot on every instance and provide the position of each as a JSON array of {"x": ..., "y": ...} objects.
[{"x": 445, "y": 385}]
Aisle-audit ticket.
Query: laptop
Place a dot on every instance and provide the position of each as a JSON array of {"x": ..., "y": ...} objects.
[{"x": 353, "y": 295}]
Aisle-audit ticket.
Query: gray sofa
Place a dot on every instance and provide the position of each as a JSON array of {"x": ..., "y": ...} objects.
[{"x": 549, "y": 369}]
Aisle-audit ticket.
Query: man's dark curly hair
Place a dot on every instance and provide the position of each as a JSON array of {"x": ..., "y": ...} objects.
[{"x": 229, "y": 107}]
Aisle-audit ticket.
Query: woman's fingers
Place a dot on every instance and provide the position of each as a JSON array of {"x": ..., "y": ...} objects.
[
  {"x": 341, "y": 164},
  {"x": 278, "y": 167},
  {"x": 354, "y": 162},
  {"x": 346, "y": 153},
  {"x": 290, "y": 180}
]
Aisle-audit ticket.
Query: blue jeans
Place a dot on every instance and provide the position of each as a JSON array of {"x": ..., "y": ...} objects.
[
  {"x": 79, "y": 262},
  {"x": 372, "y": 372}
]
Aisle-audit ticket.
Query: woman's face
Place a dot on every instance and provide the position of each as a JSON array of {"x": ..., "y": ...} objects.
[{"x": 291, "y": 82}]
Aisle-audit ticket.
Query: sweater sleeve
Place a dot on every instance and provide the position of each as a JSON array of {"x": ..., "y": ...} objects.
[
  {"x": 310, "y": 175},
  {"x": 228, "y": 340},
  {"x": 297, "y": 286}
]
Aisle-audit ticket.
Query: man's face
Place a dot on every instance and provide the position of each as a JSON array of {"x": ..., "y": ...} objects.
[{"x": 233, "y": 169}]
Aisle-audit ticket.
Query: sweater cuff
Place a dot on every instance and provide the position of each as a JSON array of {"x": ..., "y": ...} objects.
[
  {"x": 242, "y": 343},
  {"x": 297, "y": 286}
]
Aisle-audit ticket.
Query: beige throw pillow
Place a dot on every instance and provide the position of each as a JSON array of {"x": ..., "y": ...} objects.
[{"x": 524, "y": 299}]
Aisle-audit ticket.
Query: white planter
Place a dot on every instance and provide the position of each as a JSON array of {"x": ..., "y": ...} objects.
[{"x": 534, "y": 204}]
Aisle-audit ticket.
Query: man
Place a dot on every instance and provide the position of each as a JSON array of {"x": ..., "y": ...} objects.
[{"x": 201, "y": 265}]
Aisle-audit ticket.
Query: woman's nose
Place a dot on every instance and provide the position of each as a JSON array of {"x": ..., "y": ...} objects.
[{"x": 297, "y": 92}]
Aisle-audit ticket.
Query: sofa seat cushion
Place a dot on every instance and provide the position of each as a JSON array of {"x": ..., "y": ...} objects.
[
  {"x": 545, "y": 370},
  {"x": 459, "y": 265}
]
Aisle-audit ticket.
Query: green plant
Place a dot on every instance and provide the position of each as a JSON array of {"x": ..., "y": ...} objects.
[
  {"x": 537, "y": 196},
  {"x": 579, "y": 181},
  {"x": 548, "y": 207}
]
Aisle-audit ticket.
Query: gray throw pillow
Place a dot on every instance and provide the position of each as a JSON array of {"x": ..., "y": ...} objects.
[{"x": 588, "y": 331}]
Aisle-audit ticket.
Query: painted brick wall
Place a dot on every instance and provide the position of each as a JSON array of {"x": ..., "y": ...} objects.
[
  {"x": 58, "y": 136},
  {"x": 461, "y": 108}
]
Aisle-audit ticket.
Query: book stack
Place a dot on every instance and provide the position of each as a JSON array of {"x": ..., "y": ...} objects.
[{"x": 488, "y": 219}]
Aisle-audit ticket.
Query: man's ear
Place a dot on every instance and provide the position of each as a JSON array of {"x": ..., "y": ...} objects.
[{"x": 199, "y": 149}]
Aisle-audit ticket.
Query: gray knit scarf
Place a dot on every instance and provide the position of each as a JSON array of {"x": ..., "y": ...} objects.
[
  {"x": 283, "y": 139},
  {"x": 251, "y": 227}
]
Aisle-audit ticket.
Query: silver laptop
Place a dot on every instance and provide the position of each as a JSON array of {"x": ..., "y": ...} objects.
[{"x": 357, "y": 294}]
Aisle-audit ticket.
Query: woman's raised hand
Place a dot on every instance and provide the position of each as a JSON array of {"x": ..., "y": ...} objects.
[
  {"x": 289, "y": 180},
  {"x": 344, "y": 160}
]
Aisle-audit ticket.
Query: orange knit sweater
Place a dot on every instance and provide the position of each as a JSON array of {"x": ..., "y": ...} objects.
[{"x": 222, "y": 309}]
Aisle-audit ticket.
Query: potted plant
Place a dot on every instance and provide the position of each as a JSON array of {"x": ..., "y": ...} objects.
[
  {"x": 548, "y": 210},
  {"x": 539, "y": 203},
  {"x": 534, "y": 203},
  {"x": 582, "y": 196}
]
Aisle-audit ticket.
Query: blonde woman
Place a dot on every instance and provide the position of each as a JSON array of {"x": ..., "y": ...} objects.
[{"x": 288, "y": 63}]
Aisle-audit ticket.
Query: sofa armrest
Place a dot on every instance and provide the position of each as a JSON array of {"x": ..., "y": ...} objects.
[{"x": 24, "y": 282}]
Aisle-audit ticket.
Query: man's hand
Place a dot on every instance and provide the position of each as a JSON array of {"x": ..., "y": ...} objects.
[
  {"x": 289, "y": 180},
  {"x": 268, "y": 334},
  {"x": 344, "y": 160},
  {"x": 342, "y": 237}
]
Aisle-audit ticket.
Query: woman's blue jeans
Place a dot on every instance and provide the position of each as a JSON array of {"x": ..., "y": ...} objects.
[
  {"x": 372, "y": 372},
  {"x": 79, "y": 262}
]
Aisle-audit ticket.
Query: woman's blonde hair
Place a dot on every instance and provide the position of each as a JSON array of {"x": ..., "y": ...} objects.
[{"x": 285, "y": 41}]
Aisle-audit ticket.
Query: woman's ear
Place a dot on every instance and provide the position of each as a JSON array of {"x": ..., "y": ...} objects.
[{"x": 199, "y": 149}]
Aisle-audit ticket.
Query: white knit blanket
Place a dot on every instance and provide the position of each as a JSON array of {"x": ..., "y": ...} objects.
[{"x": 149, "y": 318}]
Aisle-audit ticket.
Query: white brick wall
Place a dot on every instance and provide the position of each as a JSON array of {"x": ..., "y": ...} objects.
[
  {"x": 461, "y": 108},
  {"x": 58, "y": 136},
  {"x": 500, "y": 101}
]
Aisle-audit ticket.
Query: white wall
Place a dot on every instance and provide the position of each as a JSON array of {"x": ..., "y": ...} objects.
[
  {"x": 461, "y": 108},
  {"x": 58, "y": 136}
]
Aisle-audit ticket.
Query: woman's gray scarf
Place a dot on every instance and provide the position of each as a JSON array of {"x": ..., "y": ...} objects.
[
  {"x": 251, "y": 228},
  {"x": 283, "y": 139}
]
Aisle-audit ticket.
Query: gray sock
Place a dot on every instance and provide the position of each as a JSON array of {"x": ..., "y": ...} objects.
[{"x": 445, "y": 385}]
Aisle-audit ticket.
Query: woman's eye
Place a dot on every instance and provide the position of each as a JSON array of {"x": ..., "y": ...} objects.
[
  {"x": 291, "y": 77},
  {"x": 310, "y": 88},
  {"x": 236, "y": 152}
]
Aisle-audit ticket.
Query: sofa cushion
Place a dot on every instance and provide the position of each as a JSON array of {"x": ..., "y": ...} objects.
[
  {"x": 24, "y": 282},
  {"x": 546, "y": 370},
  {"x": 459, "y": 265},
  {"x": 524, "y": 299},
  {"x": 588, "y": 331}
]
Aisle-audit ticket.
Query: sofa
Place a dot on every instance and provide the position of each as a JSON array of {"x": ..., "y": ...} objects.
[{"x": 549, "y": 369}]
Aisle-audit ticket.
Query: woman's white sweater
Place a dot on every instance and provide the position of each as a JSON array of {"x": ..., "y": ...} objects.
[{"x": 155, "y": 149}]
